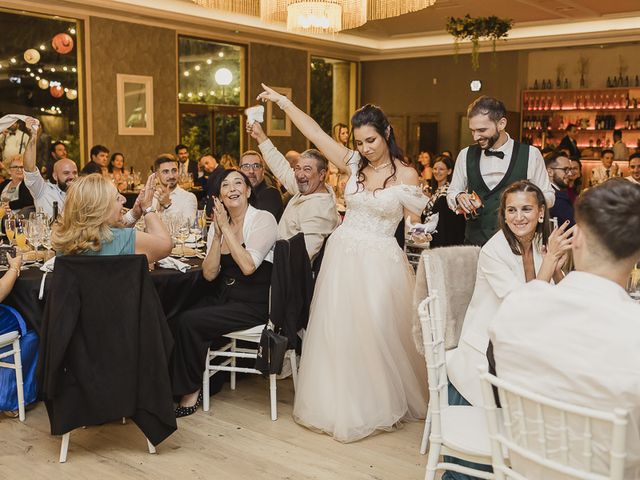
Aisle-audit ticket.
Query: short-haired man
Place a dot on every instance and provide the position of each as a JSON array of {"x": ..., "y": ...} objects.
[
  {"x": 312, "y": 208},
  {"x": 99, "y": 160},
  {"x": 634, "y": 168},
  {"x": 186, "y": 166},
  {"x": 569, "y": 142},
  {"x": 267, "y": 198},
  {"x": 58, "y": 151},
  {"x": 180, "y": 201},
  {"x": 210, "y": 169},
  {"x": 559, "y": 170},
  {"x": 579, "y": 341},
  {"x": 620, "y": 150},
  {"x": 490, "y": 166},
  {"x": 46, "y": 193},
  {"x": 606, "y": 170}
]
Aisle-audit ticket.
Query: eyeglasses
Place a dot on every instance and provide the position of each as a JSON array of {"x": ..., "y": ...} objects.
[
  {"x": 566, "y": 170},
  {"x": 245, "y": 167},
  {"x": 16, "y": 167}
]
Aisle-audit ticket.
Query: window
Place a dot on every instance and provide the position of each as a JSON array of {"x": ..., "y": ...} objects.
[
  {"x": 39, "y": 77},
  {"x": 333, "y": 91},
  {"x": 211, "y": 96}
]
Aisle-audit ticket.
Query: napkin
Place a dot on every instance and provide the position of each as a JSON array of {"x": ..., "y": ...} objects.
[
  {"x": 48, "y": 265},
  {"x": 424, "y": 228},
  {"x": 8, "y": 120},
  {"x": 174, "y": 264},
  {"x": 255, "y": 114}
]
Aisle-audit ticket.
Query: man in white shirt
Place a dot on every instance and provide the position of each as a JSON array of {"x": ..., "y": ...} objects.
[
  {"x": 13, "y": 141},
  {"x": 620, "y": 150},
  {"x": 312, "y": 208},
  {"x": 606, "y": 170},
  {"x": 579, "y": 341},
  {"x": 45, "y": 193},
  {"x": 634, "y": 168},
  {"x": 488, "y": 167},
  {"x": 180, "y": 202}
]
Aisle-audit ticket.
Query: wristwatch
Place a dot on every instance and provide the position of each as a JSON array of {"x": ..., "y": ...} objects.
[{"x": 150, "y": 209}]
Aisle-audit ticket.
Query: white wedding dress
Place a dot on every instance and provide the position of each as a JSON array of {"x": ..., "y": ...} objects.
[{"x": 360, "y": 370}]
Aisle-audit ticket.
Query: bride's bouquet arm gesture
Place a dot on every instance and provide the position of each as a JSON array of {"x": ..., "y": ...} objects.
[{"x": 335, "y": 152}]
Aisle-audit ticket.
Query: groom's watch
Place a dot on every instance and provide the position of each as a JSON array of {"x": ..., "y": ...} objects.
[{"x": 150, "y": 209}]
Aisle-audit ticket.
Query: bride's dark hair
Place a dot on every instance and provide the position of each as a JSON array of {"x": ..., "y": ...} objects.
[{"x": 374, "y": 116}]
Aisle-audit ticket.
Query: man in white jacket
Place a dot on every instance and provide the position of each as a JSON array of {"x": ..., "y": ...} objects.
[{"x": 312, "y": 208}]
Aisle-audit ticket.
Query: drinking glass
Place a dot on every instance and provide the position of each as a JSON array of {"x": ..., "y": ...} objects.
[
  {"x": 46, "y": 238},
  {"x": 34, "y": 235},
  {"x": 10, "y": 229},
  {"x": 22, "y": 227},
  {"x": 182, "y": 233}
]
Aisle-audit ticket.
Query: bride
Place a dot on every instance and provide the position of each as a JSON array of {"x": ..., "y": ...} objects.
[{"x": 360, "y": 371}]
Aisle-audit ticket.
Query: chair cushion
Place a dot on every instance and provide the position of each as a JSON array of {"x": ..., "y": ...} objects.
[
  {"x": 465, "y": 429},
  {"x": 8, "y": 338}
]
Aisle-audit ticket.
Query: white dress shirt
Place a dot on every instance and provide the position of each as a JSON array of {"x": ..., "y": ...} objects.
[
  {"x": 182, "y": 203},
  {"x": 631, "y": 179},
  {"x": 620, "y": 151},
  {"x": 493, "y": 170},
  {"x": 44, "y": 192},
  {"x": 500, "y": 271},
  {"x": 315, "y": 214},
  {"x": 578, "y": 342},
  {"x": 601, "y": 174}
]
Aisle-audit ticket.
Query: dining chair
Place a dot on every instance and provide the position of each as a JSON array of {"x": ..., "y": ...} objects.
[
  {"x": 288, "y": 300},
  {"x": 11, "y": 342},
  {"x": 455, "y": 430},
  {"x": 452, "y": 272},
  {"x": 547, "y": 438}
]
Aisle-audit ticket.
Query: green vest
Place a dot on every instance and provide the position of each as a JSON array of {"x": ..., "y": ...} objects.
[{"x": 480, "y": 229}]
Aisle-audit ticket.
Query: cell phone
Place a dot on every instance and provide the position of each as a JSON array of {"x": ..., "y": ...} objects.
[{"x": 4, "y": 249}]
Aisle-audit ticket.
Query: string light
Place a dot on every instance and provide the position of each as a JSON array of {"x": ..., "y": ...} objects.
[
  {"x": 43, "y": 47},
  {"x": 197, "y": 68},
  {"x": 186, "y": 73}
]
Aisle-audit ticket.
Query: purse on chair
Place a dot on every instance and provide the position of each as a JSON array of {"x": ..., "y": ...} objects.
[{"x": 270, "y": 356}]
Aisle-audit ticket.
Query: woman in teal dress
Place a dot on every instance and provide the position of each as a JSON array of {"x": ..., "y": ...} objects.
[{"x": 91, "y": 223}]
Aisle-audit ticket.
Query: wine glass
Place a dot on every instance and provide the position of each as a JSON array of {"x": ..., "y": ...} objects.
[
  {"x": 182, "y": 233},
  {"x": 21, "y": 229},
  {"x": 34, "y": 235},
  {"x": 46, "y": 238}
]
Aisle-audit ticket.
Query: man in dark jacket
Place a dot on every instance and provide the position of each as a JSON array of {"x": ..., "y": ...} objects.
[
  {"x": 267, "y": 198},
  {"x": 559, "y": 170},
  {"x": 569, "y": 142}
]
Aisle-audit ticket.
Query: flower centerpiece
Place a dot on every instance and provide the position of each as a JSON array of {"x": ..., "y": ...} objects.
[{"x": 476, "y": 29}]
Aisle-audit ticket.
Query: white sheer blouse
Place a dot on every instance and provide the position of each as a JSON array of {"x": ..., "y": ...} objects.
[{"x": 260, "y": 231}]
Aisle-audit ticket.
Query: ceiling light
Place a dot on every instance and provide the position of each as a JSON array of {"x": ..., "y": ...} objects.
[
  {"x": 379, "y": 9},
  {"x": 475, "y": 85}
]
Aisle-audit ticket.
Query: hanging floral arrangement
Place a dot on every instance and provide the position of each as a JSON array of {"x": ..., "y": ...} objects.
[{"x": 476, "y": 29}]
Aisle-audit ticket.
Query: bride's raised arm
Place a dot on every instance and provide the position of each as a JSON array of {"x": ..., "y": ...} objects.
[{"x": 335, "y": 152}]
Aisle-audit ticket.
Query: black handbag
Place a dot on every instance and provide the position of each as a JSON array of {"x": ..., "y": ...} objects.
[{"x": 271, "y": 351}]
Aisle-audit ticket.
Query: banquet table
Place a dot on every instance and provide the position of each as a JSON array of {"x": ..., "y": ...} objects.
[{"x": 176, "y": 290}]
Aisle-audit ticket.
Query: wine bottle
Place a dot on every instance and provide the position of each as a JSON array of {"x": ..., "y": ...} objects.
[{"x": 54, "y": 217}]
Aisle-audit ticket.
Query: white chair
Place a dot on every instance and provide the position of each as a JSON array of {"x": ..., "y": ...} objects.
[
  {"x": 544, "y": 437},
  {"x": 458, "y": 431},
  {"x": 231, "y": 352},
  {"x": 440, "y": 269},
  {"x": 64, "y": 447},
  {"x": 13, "y": 339}
]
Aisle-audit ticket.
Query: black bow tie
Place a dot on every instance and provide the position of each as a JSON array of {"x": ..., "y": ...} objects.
[{"x": 494, "y": 153}]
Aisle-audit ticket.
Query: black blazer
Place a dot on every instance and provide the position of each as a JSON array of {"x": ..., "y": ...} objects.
[
  {"x": 571, "y": 145},
  {"x": 562, "y": 208},
  {"x": 269, "y": 199},
  {"x": 24, "y": 196},
  {"x": 102, "y": 360},
  {"x": 291, "y": 288},
  {"x": 91, "y": 167}
]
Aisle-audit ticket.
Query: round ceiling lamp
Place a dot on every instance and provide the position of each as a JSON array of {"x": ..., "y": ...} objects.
[
  {"x": 62, "y": 43},
  {"x": 72, "y": 94},
  {"x": 43, "y": 83},
  {"x": 223, "y": 76},
  {"x": 31, "y": 56}
]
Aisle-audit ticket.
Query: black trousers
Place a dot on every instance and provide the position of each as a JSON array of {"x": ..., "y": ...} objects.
[{"x": 201, "y": 326}]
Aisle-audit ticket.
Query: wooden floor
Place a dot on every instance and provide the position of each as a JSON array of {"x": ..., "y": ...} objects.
[{"x": 234, "y": 440}]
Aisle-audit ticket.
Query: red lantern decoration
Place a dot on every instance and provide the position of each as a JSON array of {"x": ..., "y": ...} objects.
[
  {"x": 62, "y": 43},
  {"x": 56, "y": 91}
]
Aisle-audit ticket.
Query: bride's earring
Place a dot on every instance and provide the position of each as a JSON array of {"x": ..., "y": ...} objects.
[{"x": 541, "y": 219}]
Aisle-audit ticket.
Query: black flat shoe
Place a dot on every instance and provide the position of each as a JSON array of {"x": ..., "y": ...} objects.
[{"x": 186, "y": 411}]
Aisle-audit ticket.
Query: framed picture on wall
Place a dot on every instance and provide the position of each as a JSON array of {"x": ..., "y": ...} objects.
[
  {"x": 135, "y": 104},
  {"x": 278, "y": 123}
]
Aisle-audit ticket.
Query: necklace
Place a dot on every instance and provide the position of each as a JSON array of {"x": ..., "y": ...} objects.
[{"x": 379, "y": 167}]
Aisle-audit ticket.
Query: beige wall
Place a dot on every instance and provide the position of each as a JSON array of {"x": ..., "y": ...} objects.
[
  {"x": 113, "y": 50},
  {"x": 280, "y": 67},
  {"x": 406, "y": 88}
]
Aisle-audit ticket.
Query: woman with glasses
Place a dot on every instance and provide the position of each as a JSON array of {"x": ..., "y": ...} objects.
[{"x": 14, "y": 191}]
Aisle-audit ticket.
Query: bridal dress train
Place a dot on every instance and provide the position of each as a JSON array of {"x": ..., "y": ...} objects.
[{"x": 360, "y": 371}]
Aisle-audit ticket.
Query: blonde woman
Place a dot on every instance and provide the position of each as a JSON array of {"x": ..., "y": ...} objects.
[{"x": 92, "y": 220}]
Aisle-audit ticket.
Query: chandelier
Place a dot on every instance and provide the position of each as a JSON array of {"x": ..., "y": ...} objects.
[{"x": 318, "y": 16}]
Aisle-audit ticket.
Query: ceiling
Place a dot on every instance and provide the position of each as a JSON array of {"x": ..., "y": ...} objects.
[{"x": 537, "y": 24}]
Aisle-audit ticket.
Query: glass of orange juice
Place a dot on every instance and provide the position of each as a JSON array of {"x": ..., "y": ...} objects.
[
  {"x": 21, "y": 234},
  {"x": 10, "y": 229}
]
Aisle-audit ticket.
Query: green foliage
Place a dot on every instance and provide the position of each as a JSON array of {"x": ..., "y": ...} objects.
[
  {"x": 476, "y": 29},
  {"x": 322, "y": 93},
  {"x": 196, "y": 141}
]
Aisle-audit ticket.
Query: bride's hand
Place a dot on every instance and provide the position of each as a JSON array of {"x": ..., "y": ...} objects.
[{"x": 269, "y": 94}]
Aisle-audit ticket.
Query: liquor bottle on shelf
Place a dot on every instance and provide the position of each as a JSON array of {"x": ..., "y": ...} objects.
[
  {"x": 535, "y": 83},
  {"x": 637, "y": 83},
  {"x": 566, "y": 83},
  {"x": 627, "y": 122},
  {"x": 609, "y": 82}
]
